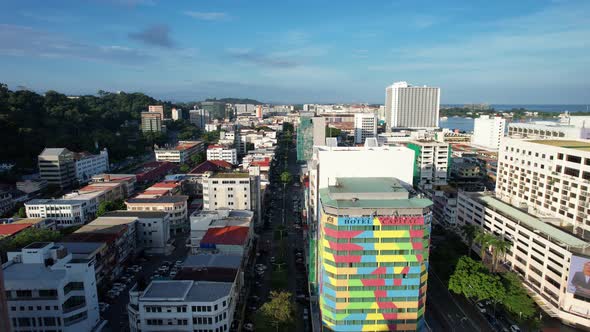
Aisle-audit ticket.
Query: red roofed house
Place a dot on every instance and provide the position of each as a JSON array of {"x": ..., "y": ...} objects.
[
  {"x": 8, "y": 230},
  {"x": 228, "y": 240}
]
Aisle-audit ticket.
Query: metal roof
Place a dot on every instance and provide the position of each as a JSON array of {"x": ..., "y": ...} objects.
[
  {"x": 138, "y": 214},
  {"x": 566, "y": 144},
  {"x": 186, "y": 290},
  {"x": 22, "y": 276},
  {"x": 217, "y": 260},
  {"x": 533, "y": 222}
]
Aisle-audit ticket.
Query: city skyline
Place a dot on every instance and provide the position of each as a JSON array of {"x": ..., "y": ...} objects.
[{"x": 529, "y": 52}]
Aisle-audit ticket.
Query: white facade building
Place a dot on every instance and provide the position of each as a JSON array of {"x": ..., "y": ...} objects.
[
  {"x": 545, "y": 256},
  {"x": 176, "y": 114},
  {"x": 199, "y": 118},
  {"x": 217, "y": 152},
  {"x": 152, "y": 229},
  {"x": 176, "y": 206},
  {"x": 48, "y": 290},
  {"x": 547, "y": 129},
  {"x": 488, "y": 132},
  {"x": 431, "y": 165},
  {"x": 181, "y": 153},
  {"x": 182, "y": 305},
  {"x": 87, "y": 165},
  {"x": 227, "y": 191},
  {"x": 329, "y": 163},
  {"x": 409, "y": 106},
  {"x": 365, "y": 126},
  {"x": 71, "y": 210},
  {"x": 547, "y": 177}
]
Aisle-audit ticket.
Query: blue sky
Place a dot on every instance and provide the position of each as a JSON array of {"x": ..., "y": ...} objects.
[{"x": 526, "y": 51}]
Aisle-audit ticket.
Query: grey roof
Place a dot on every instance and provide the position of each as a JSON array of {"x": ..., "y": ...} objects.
[
  {"x": 21, "y": 276},
  {"x": 186, "y": 290},
  {"x": 52, "y": 151},
  {"x": 161, "y": 199},
  {"x": 207, "y": 291},
  {"x": 138, "y": 214},
  {"x": 82, "y": 247},
  {"x": 56, "y": 201},
  {"x": 217, "y": 260},
  {"x": 533, "y": 222},
  {"x": 167, "y": 290}
]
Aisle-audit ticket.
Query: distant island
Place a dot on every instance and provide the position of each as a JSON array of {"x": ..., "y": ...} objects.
[{"x": 236, "y": 101}]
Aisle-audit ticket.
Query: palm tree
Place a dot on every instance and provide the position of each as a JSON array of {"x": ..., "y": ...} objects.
[
  {"x": 483, "y": 239},
  {"x": 499, "y": 248},
  {"x": 469, "y": 232}
]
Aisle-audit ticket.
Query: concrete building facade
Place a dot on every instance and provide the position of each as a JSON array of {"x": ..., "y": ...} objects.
[
  {"x": 57, "y": 167},
  {"x": 217, "y": 152},
  {"x": 365, "y": 126},
  {"x": 175, "y": 206},
  {"x": 151, "y": 122},
  {"x": 181, "y": 153},
  {"x": 88, "y": 165},
  {"x": 545, "y": 255},
  {"x": 488, "y": 132},
  {"x": 431, "y": 163},
  {"x": 47, "y": 289},
  {"x": 409, "y": 106}
]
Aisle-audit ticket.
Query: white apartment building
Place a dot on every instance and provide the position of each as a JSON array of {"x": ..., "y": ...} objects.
[
  {"x": 6, "y": 201},
  {"x": 176, "y": 114},
  {"x": 211, "y": 127},
  {"x": 329, "y": 163},
  {"x": 227, "y": 138},
  {"x": 48, "y": 290},
  {"x": 71, "y": 210},
  {"x": 431, "y": 165},
  {"x": 88, "y": 165},
  {"x": 153, "y": 229},
  {"x": 199, "y": 118},
  {"x": 409, "y": 106},
  {"x": 182, "y": 305},
  {"x": 218, "y": 152},
  {"x": 546, "y": 256},
  {"x": 547, "y": 129},
  {"x": 175, "y": 206},
  {"x": 365, "y": 126},
  {"x": 181, "y": 153},
  {"x": 227, "y": 191},
  {"x": 202, "y": 220},
  {"x": 547, "y": 177},
  {"x": 488, "y": 132}
]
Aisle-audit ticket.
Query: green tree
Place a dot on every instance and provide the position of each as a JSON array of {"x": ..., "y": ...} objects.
[
  {"x": 483, "y": 239},
  {"x": 279, "y": 310},
  {"x": 469, "y": 232},
  {"x": 517, "y": 301},
  {"x": 472, "y": 279},
  {"x": 22, "y": 212},
  {"x": 184, "y": 168},
  {"x": 197, "y": 158},
  {"x": 28, "y": 236},
  {"x": 499, "y": 248},
  {"x": 332, "y": 132},
  {"x": 107, "y": 206},
  {"x": 286, "y": 178}
]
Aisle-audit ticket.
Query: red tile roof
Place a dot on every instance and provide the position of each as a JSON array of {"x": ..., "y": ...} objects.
[
  {"x": 165, "y": 185},
  {"x": 222, "y": 163},
  {"x": 210, "y": 165},
  {"x": 265, "y": 162},
  {"x": 11, "y": 229},
  {"x": 229, "y": 235}
]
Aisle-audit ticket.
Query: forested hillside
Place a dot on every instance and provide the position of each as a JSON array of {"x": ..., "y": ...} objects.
[{"x": 29, "y": 122}]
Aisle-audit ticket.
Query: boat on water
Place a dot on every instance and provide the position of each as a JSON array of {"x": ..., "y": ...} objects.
[{"x": 443, "y": 118}]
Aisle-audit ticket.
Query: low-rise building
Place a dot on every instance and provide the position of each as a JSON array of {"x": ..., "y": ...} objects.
[
  {"x": 31, "y": 186},
  {"x": 153, "y": 229},
  {"x": 175, "y": 205},
  {"x": 227, "y": 191},
  {"x": 94, "y": 252},
  {"x": 181, "y": 153},
  {"x": 431, "y": 163},
  {"x": 154, "y": 170},
  {"x": 47, "y": 289},
  {"x": 202, "y": 221},
  {"x": 128, "y": 180},
  {"x": 218, "y": 152},
  {"x": 181, "y": 305},
  {"x": 87, "y": 165},
  {"x": 544, "y": 252}
]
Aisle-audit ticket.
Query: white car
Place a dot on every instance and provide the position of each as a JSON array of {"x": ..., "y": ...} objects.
[
  {"x": 514, "y": 328},
  {"x": 481, "y": 307},
  {"x": 248, "y": 327},
  {"x": 103, "y": 306}
]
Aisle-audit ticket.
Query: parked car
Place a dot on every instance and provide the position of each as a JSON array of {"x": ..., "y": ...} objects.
[
  {"x": 514, "y": 328},
  {"x": 248, "y": 327},
  {"x": 305, "y": 314},
  {"x": 481, "y": 308}
]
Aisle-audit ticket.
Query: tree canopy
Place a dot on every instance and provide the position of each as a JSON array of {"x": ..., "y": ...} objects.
[
  {"x": 107, "y": 206},
  {"x": 28, "y": 236},
  {"x": 30, "y": 122},
  {"x": 472, "y": 279},
  {"x": 279, "y": 310},
  {"x": 286, "y": 177}
]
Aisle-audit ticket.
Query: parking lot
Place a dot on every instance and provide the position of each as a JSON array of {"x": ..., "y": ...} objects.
[{"x": 147, "y": 268}]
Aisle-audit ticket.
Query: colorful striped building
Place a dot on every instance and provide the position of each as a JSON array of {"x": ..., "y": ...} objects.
[{"x": 372, "y": 256}]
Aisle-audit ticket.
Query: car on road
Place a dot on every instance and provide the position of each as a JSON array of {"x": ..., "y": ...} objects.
[
  {"x": 103, "y": 306},
  {"x": 173, "y": 274},
  {"x": 514, "y": 328},
  {"x": 248, "y": 327},
  {"x": 273, "y": 259},
  {"x": 305, "y": 314},
  {"x": 481, "y": 307}
]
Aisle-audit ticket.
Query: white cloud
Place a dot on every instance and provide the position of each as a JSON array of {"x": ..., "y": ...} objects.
[{"x": 208, "y": 16}]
